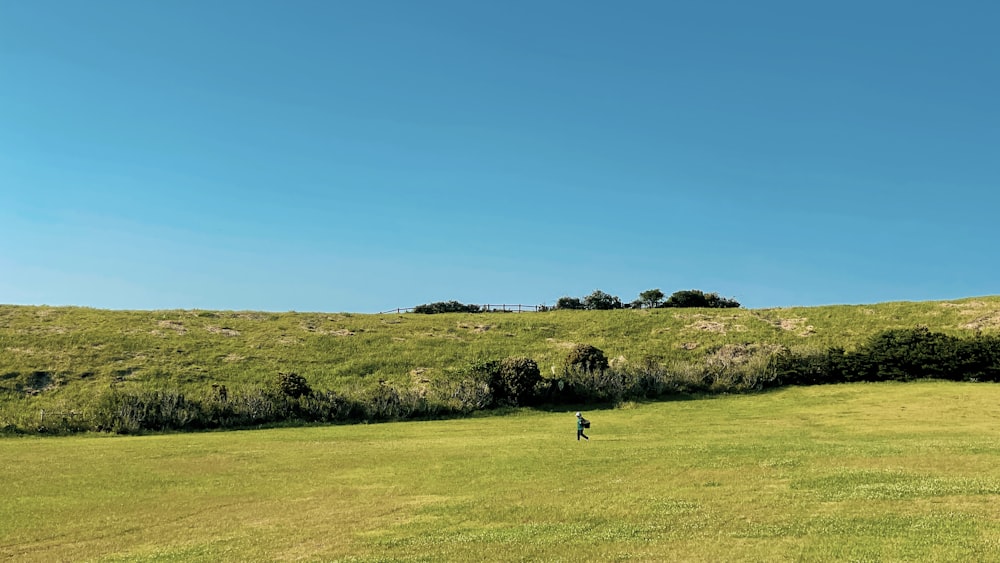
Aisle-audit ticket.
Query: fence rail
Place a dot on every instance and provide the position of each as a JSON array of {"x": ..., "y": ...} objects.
[{"x": 488, "y": 308}]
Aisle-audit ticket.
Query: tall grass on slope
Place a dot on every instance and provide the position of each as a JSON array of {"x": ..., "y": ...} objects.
[{"x": 54, "y": 358}]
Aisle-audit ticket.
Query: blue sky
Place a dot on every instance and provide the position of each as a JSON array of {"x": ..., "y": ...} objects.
[{"x": 362, "y": 156}]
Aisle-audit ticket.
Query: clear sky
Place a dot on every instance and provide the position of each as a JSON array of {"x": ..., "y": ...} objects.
[{"x": 367, "y": 155}]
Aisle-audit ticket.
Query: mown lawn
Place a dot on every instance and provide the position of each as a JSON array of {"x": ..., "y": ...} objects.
[{"x": 886, "y": 472}]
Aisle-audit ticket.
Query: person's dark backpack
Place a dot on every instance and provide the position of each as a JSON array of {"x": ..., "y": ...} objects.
[{"x": 586, "y": 423}]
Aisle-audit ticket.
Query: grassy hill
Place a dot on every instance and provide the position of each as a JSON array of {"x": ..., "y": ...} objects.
[
  {"x": 59, "y": 355},
  {"x": 854, "y": 472}
]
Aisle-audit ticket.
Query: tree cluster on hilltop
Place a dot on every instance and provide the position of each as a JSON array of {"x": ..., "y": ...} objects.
[
  {"x": 601, "y": 301},
  {"x": 649, "y": 299}
]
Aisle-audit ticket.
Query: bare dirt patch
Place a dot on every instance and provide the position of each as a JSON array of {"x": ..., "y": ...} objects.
[
  {"x": 234, "y": 358},
  {"x": 224, "y": 331},
  {"x": 474, "y": 327},
  {"x": 708, "y": 326},
  {"x": 791, "y": 324},
  {"x": 966, "y": 305},
  {"x": 560, "y": 343},
  {"x": 175, "y": 326},
  {"x": 730, "y": 355},
  {"x": 342, "y": 332},
  {"x": 716, "y": 326},
  {"x": 251, "y": 316},
  {"x": 689, "y": 345},
  {"x": 796, "y": 324},
  {"x": 984, "y": 322}
]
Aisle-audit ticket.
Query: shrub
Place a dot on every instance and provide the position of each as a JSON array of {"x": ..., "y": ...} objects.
[
  {"x": 517, "y": 380},
  {"x": 698, "y": 298},
  {"x": 292, "y": 385},
  {"x": 511, "y": 381},
  {"x": 600, "y": 301},
  {"x": 571, "y": 303},
  {"x": 463, "y": 395},
  {"x": 584, "y": 357},
  {"x": 131, "y": 412},
  {"x": 445, "y": 307}
]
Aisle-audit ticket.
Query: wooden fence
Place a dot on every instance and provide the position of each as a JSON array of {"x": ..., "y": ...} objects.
[{"x": 488, "y": 308}]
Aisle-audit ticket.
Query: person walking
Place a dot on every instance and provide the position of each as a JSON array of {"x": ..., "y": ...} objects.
[{"x": 581, "y": 423}]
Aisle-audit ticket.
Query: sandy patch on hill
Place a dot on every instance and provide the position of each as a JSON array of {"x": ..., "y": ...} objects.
[
  {"x": 251, "y": 316},
  {"x": 966, "y": 306},
  {"x": 689, "y": 345},
  {"x": 560, "y": 343},
  {"x": 731, "y": 355},
  {"x": 715, "y": 326},
  {"x": 312, "y": 328},
  {"x": 796, "y": 324},
  {"x": 475, "y": 328},
  {"x": 791, "y": 324},
  {"x": 175, "y": 326},
  {"x": 985, "y": 322},
  {"x": 224, "y": 331},
  {"x": 984, "y": 319}
]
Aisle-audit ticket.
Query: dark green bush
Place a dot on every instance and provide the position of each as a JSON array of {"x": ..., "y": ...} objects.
[
  {"x": 511, "y": 381},
  {"x": 698, "y": 298},
  {"x": 584, "y": 357},
  {"x": 600, "y": 301},
  {"x": 292, "y": 385},
  {"x": 517, "y": 380},
  {"x": 446, "y": 307},
  {"x": 571, "y": 303}
]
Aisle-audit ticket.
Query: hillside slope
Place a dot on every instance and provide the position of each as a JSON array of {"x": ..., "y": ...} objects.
[{"x": 71, "y": 351}]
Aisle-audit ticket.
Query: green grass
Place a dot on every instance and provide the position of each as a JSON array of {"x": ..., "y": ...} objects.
[
  {"x": 860, "y": 472},
  {"x": 69, "y": 353}
]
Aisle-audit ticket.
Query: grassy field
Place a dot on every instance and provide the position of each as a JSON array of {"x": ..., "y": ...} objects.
[
  {"x": 859, "y": 472},
  {"x": 53, "y": 356}
]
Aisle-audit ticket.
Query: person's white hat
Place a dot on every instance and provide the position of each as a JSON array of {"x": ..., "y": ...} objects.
[{"x": 577, "y": 414}]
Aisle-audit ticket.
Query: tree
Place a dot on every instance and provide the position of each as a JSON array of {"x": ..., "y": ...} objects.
[
  {"x": 651, "y": 298},
  {"x": 569, "y": 303},
  {"x": 716, "y": 302},
  {"x": 698, "y": 298},
  {"x": 292, "y": 384},
  {"x": 445, "y": 307},
  {"x": 600, "y": 301}
]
